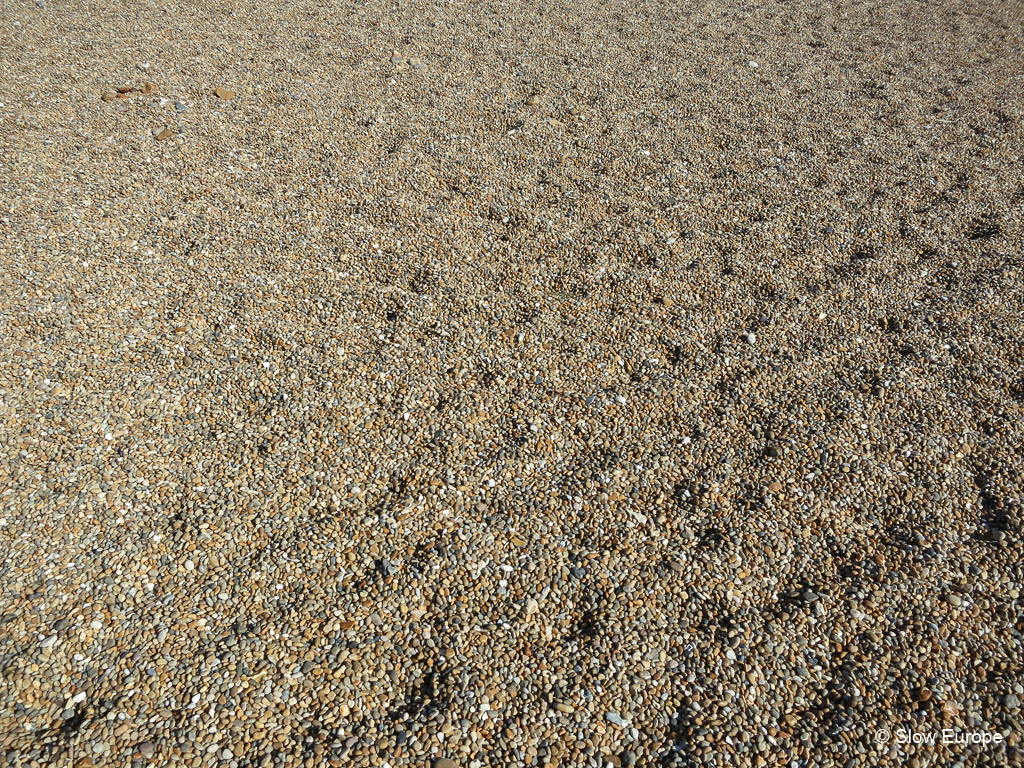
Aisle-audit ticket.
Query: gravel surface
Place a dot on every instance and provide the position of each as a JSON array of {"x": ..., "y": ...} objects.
[{"x": 510, "y": 384}]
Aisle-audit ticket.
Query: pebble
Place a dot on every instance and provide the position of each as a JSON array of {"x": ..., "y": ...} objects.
[
  {"x": 180, "y": 106},
  {"x": 164, "y": 134},
  {"x": 108, "y": 96},
  {"x": 353, "y": 422},
  {"x": 224, "y": 94}
]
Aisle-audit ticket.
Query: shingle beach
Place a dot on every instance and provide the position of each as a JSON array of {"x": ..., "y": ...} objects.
[{"x": 469, "y": 385}]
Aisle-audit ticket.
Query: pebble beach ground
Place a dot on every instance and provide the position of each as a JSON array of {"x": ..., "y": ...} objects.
[{"x": 511, "y": 384}]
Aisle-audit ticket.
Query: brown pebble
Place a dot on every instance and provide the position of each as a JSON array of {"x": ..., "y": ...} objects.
[
  {"x": 534, "y": 100},
  {"x": 149, "y": 88},
  {"x": 775, "y": 487},
  {"x": 924, "y": 694},
  {"x": 125, "y": 89},
  {"x": 165, "y": 134},
  {"x": 108, "y": 95},
  {"x": 444, "y": 762},
  {"x": 223, "y": 93},
  {"x": 665, "y": 301}
]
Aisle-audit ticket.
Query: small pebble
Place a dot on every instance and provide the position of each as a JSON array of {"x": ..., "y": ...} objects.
[{"x": 315, "y": 442}]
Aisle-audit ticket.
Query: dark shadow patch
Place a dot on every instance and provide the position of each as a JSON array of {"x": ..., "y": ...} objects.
[
  {"x": 984, "y": 230},
  {"x": 1016, "y": 390}
]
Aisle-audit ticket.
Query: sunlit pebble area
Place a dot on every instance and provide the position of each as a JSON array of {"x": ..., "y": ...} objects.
[{"x": 509, "y": 385}]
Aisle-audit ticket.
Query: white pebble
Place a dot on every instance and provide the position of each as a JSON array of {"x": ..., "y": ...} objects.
[
  {"x": 96, "y": 624},
  {"x": 620, "y": 399},
  {"x": 189, "y": 565},
  {"x": 751, "y": 338},
  {"x": 48, "y": 642},
  {"x": 79, "y": 697},
  {"x": 753, "y": 64}
]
